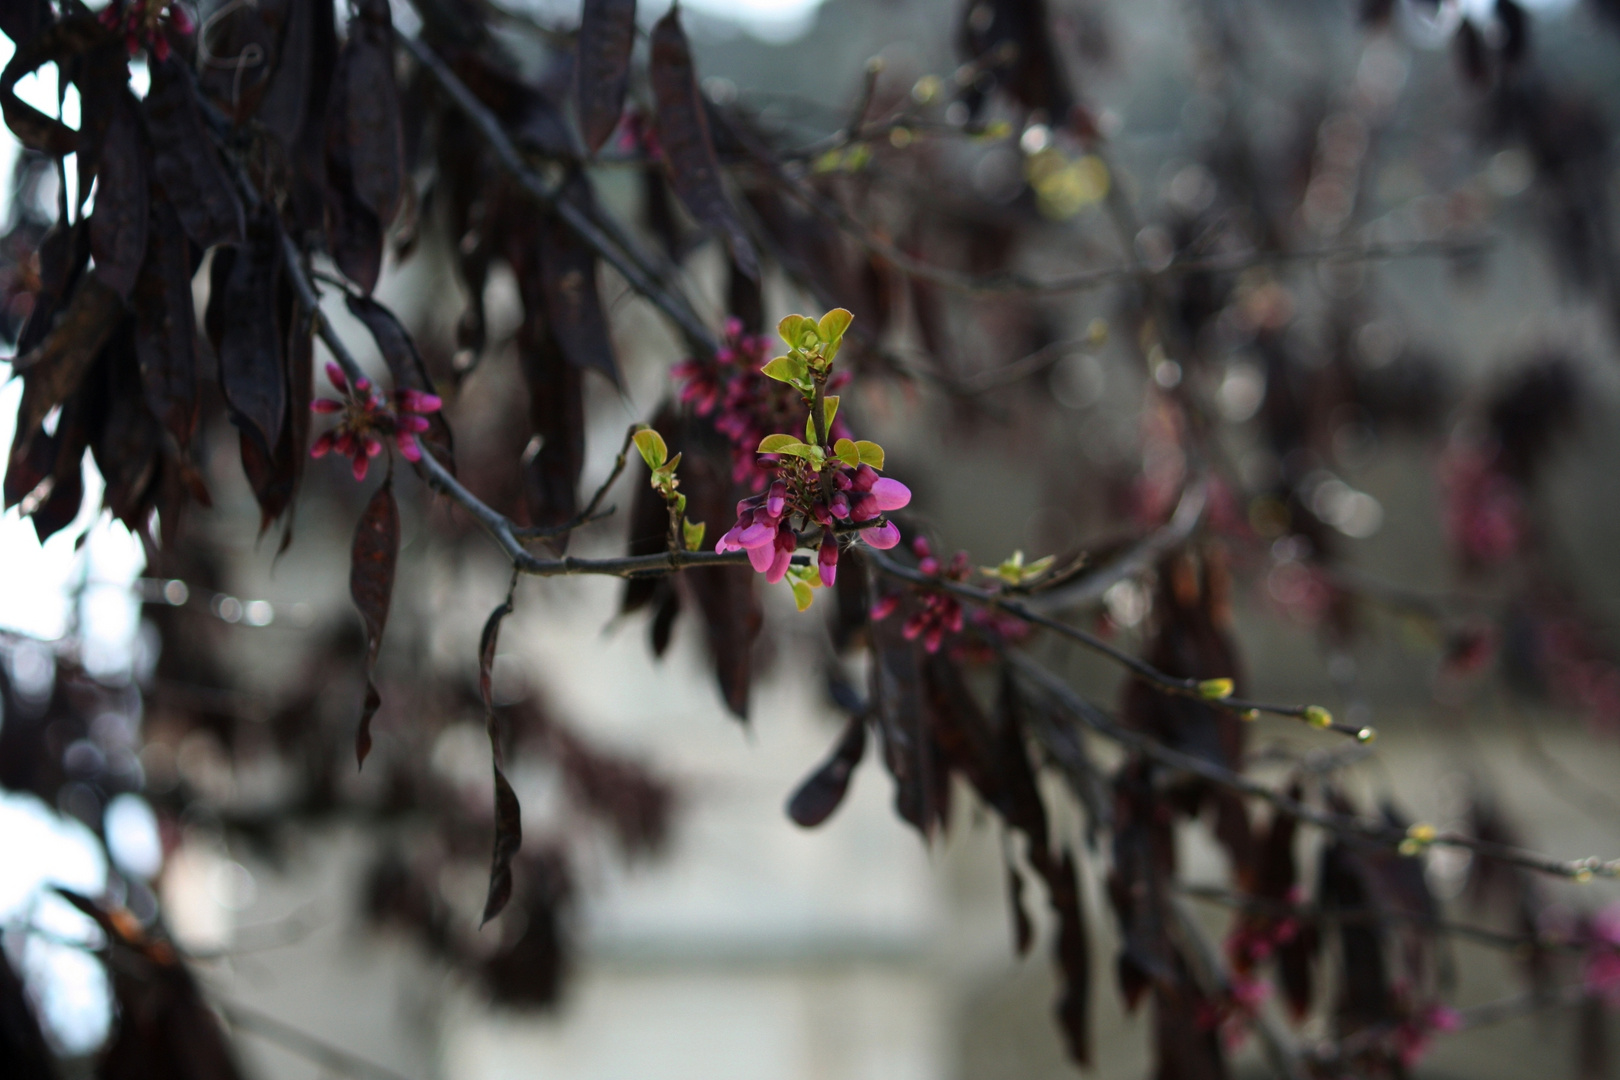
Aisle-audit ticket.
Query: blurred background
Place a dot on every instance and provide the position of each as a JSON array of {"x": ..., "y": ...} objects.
[{"x": 193, "y": 708}]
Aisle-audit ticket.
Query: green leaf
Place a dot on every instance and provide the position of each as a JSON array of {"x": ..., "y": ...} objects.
[
  {"x": 833, "y": 324},
  {"x": 789, "y": 369},
  {"x": 651, "y": 445},
  {"x": 802, "y": 594},
  {"x": 1215, "y": 689},
  {"x": 781, "y": 444},
  {"x": 845, "y": 449},
  {"x": 798, "y": 331},
  {"x": 680, "y": 504},
  {"x": 830, "y": 408},
  {"x": 870, "y": 453},
  {"x": 692, "y": 533}
]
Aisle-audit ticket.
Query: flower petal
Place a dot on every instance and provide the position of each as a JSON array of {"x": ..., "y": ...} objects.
[
  {"x": 890, "y": 494},
  {"x": 883, "y": 536},
  {"x": 761, "y": 558}
]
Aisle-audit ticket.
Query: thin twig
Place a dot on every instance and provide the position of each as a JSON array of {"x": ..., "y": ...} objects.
[
  {"x": 589, "y": 514},
  {"x": 1086, "y": 280},
  {"x": 1372, "y": 831},
  {"x": 1481, "y": 935},
  {"x": 1184, "y": 687},
  {"x": 1137, "y": 560}
]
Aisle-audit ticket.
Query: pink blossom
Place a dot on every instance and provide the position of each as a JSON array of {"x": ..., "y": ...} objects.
[
  {"x": 890, "y": 494},
  {"x": 882, "y": 536},
  {"x": 827, "y": 557}
]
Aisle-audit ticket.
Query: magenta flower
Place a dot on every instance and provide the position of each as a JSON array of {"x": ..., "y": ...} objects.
[
  {"x": 365, "y": 419},
  {"x": 890, "y": 494},
  {"x": 883, "y": 537},
  {"x": 142, "y": 24},
  {"x": 827, "y": 557}
]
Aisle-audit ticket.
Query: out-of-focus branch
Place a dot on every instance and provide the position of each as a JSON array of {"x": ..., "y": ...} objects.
[
  {"x": 1480, "y": 935},
  {"x": 1139, "y": 558},
  {"x": 1173, "y": 684},
  {"x": 1364, "y": 829},
  {"x": 631, "y": 264},
  {"x": 1086, "y": 280},
  {"x": 1274, "y": 1037},
  {"x": 305, "y": 1045}
]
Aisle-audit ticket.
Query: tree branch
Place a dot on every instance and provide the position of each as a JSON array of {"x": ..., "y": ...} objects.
[
  {"x": 1191, "y": 688},
  {"x": 631, "y": 265},
  {"x": 1371, "y": 831}
]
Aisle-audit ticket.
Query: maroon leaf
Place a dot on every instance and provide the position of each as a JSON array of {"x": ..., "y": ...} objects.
[
  {"x": 22, "y": 1043},
  {"x": 275, "y": 477},
  {"x": 287, "y": 98},
  {"x": 371, "y": 584},
  {"x": 823, "y": 790},
  {"x": 165, "y": 325},
  {"x": 1186, "y": 1045},
  {"x": 1023, "y": 929},
  {"x": 573, "y": 307},
  {"x": 118, "y": 225},
  {"x": 58, "y": 43},
  {"x": 370, "y": 112},
  {"x": 508, "y": 814},
  {"x": 1016, "y": 28},
  {"x": 165, "y": 1028},
  {"x": 314, "y": 37},
  {"x": 185, "y": 162},
  {"x": 663, "y": 620},
  {"x": 607, "y": 33},
  {"x": 1072, "y": 954},
  {"x": 128, "y": 444},
  {"x": 557, "y": 411},
  {"x": 243, "y": 42},
  {"x": 250, "y": 344},
  {"x": 1144, "y": 859},
  {"x": 921, "y": 782},
  {"x": 22, "y": 19},
  {"x": 406, "y": 367},
  {"x": 55, "y": 369},
  {"x": 353, "y": 231},
  {"x": 683, "y": 131}
]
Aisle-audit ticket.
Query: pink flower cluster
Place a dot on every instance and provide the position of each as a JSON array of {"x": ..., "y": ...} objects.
[
  {"x": 745, "y": 405},
  {"x": 365, "y": 419},
  {"x": 764, "y": 525},
  {"x": 940, "y": 613},
  {"x": 140, "y": 21}
]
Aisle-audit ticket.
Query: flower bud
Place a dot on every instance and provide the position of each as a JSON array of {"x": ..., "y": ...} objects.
[
  {"x": 865, "y": 477},
  {"x": 883, "y": 607},
  {"x": 839, "y": 506},
  {"x": 827, "y": 558},
  {"x": 776, "y": 499},
  {"x": 890, "y": 494},
  {"x": 883, "y": 536}
]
